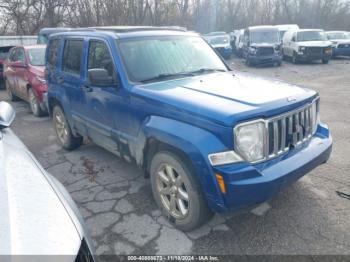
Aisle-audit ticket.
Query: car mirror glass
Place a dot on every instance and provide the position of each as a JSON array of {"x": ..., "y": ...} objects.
[{"x": 100, "y": 77}]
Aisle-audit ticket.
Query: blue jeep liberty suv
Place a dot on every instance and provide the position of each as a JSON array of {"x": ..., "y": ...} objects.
[{"x": 210, "y": 139}]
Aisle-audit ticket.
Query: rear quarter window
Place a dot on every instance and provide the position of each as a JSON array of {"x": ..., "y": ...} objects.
[{"x": 72, "y": 53}]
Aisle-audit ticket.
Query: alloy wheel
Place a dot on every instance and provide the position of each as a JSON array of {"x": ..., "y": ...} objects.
[
  {"x": 173, "y": 192},
  {"x": 61, "y": 127}
]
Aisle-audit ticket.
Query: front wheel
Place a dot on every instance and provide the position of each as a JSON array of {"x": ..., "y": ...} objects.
[
  {"x": 325, "y": 60},
  {"x": 34, "y": 104},
  {"x": 177, "y": 192},
  {"x": 64, "y": 132},
  {"x": 294, "y": 58}
]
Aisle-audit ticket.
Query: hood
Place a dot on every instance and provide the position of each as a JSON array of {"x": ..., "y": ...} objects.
[
  {"x": 226, "y": 98},
  {"x": 38, "y": 70},
  {"x": 221, "y": 45},
  {"x": 315, "y": 43},
  {"x": 341, "y": 41},
  {"x": 33, "y": 219},
  {"x": 264, "y": 44}
]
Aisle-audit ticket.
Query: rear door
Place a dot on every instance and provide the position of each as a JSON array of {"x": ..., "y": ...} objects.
[{"x": 69, "y": 78}]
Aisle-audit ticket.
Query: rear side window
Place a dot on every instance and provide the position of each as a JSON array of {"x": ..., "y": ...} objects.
[
  {"x": 72, "y": 56},
  {"x": 99, "y": 57},
  {"x": 52, "y": 53}
]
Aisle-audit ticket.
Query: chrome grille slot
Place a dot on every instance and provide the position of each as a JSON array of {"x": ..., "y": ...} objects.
[{"x": 289, "y": 130}]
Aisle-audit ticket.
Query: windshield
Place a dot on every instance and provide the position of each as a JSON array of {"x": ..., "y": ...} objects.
[
  {"x": 339, "y": 35},
  {"x": 150, "y": 58},
  {"x": 218, "y": 40},
  {"x": 37, "y": 56},
  {"x": 311, "y": 36},
  {"x": 262, "y": 37}
]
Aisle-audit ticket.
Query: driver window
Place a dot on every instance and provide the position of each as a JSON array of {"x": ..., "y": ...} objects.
[
  {"x": 20, "y": 55},
  {"x": 100, "y": 58}
]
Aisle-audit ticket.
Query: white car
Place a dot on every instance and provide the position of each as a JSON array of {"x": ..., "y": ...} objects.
[
  {"x": 306, "y": 45},
  {"x": 340, "y": 42},
  {"x": 38, "y": 217}
]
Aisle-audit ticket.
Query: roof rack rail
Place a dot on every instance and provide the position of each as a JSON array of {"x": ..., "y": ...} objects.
[{"x": 125, "y": 29}]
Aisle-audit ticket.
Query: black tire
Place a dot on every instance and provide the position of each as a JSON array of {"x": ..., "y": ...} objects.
[
  {"x": 325, "y": 60},
  {"x": 34, "y": 104},
  {"x": 248, "y": 62},
  {"x": 294, "y": 58},
  {"x": 63, "y": 131},
  {"x": 10, "y": 94},
  {"x": 197, "y": 209}
]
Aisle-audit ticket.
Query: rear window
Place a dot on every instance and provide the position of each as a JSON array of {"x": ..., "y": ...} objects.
[
  {"x": 52, "y": 53},
  {"x": 72, "y": 56}
]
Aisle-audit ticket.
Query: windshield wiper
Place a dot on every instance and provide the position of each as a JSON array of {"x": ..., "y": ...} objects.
[
  {"x": 207, "y": 70},
  {"x": 165, "y": 76}
]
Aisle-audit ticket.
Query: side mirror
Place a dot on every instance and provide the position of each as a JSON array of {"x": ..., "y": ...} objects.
[
  {"x": 100, "y": 77},
  {"x": 7, "y": 114},
  {"x": 19, "y": 64}
]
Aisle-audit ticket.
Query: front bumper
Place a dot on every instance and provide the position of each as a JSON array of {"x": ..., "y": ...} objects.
[
  {"x": 271, "y": 59},
  {"x": 247, "y": 185},
  {"x": 312, "y": 57}
]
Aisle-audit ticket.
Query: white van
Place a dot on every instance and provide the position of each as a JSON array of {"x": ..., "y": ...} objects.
[
  {"x": 284, "y": 28},
  {"x": 306, "y": 45}
]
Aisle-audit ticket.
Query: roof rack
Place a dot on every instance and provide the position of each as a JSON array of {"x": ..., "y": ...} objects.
[{"x": 125, "y": 29}]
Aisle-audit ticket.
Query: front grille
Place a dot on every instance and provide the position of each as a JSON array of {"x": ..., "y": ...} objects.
[
  {"x": 314, "y": 51},
  {"x": 264, "y": 51},
  {"x": 291, "y": 129}
]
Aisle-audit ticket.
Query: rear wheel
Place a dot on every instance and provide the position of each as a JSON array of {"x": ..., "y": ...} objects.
[
  {"x": 34, "y": 104},
  {"x": 177, "y": 192},
  {"x": 10, "y": 94},
  {"x": 64, "y": 132}
]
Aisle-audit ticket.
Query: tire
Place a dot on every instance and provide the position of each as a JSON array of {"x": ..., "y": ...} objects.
[
  {"x": 170, "y": 175},
  {"x": 248, "y": 62},
  {"x": 325, "y": 60},
  {"x": 34, "y": 104},
  {"x": 294, "y": 58},
  {"x": 64, "y": 131},
  {"x": 10, "y": 94}
]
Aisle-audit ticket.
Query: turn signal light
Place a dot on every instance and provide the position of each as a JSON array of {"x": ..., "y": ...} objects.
[{"x": 221, "y": 183}]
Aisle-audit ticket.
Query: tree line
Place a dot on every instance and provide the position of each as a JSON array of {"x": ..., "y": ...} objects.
[{"x": 26, "y": 17}]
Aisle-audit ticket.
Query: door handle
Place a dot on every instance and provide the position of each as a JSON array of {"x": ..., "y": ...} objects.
[
  {"x": 87, "y": 88},
  {"x": 60, "y": 80}
]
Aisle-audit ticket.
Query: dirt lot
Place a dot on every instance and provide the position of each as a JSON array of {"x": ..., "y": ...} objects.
[{"x": 307, "y": 218}]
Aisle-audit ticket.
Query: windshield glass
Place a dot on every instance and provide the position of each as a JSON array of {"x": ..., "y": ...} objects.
[
  {"x": 339, "y": 35},
  {"x": 268, "y": 37},
  {"x": 219, "y": 40},
  {"x": 37, "y": 56},
  {"x": 311, "y": 36},
  {"x": 149, "y": 58}
]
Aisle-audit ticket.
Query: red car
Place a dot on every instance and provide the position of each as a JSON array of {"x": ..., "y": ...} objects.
[
  {"x": 24, "y": 75},
  {"x": 4, "y": 50}
]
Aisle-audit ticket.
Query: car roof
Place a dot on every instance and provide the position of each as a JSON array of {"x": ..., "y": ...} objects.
[
  {"x": 308, "y": 30},
  {"x": 335, "y": 32},
  {"x": 262, "y": 28},
  {"x": 27, "y": 47},
  {"x": 120, "y": 32}
]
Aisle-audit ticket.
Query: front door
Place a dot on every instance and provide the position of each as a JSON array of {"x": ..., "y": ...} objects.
[{"x": 106, "y": 105}]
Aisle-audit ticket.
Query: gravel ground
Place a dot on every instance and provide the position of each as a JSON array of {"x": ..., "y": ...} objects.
[{"x": 116, "y": 201}]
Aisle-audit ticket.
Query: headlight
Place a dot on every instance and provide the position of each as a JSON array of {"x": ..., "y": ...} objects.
[
  {"x": 253, "y": 50},
  {"x": 41, "y": 79},
  {"x": 250, "y": 140},
  {"x": 302, "y": 48}
]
